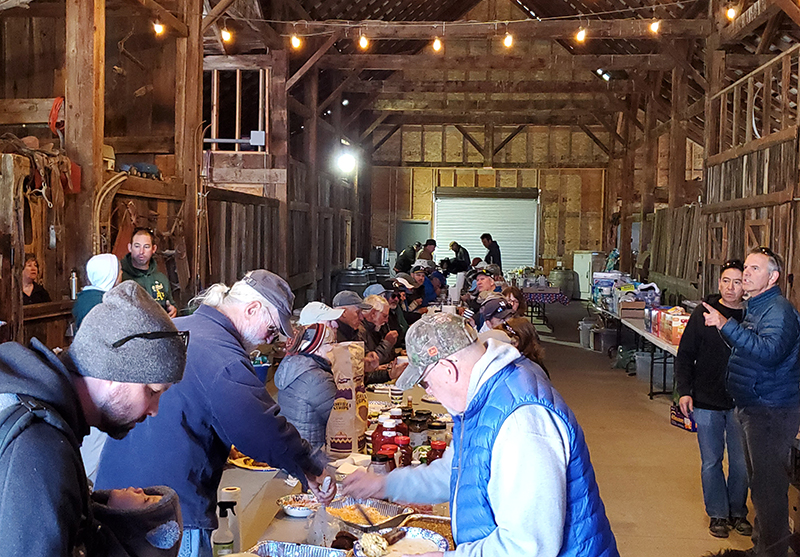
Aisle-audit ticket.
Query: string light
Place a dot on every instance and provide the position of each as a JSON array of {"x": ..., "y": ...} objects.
[
  {"x": 158, "y": 27},
  {"x": 437, "y": 44},
  {"x": 580, "y": 36},
  {"x": 654, "y": 26},
  {"x": 295, "y": 41},
  {"x": 508, "y": 40},
  {"x": 226, "y": 35},
  {"x": 363, "y": 42},
  {"x": 731, "y": 12}
]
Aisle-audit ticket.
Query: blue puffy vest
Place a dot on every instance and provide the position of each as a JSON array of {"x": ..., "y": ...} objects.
[{"x": 587, "y": 532}]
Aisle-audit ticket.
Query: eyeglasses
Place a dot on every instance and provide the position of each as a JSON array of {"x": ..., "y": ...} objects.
[
  {"x": 153, "y": 335},
  {"x": 422, "y": 382}
]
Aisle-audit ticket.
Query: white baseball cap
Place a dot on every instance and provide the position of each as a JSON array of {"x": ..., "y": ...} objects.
[{"x": 317, "y": 312}]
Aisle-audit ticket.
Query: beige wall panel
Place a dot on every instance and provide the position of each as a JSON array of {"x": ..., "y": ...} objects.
[
  {"x": 472, "y": 154},
  {"x": 389, "y": 151},
  {"x": 529, "y": 178},
  {"x": 466, "y": 179},
  {"x": 517, "y": 150},
  {"x": 403, "y": 190},
  {"x": 539, "y": 139},
  {"x": 508, "y": 178},
  {"x": 433, "y": 143},
  {"x": 422, "y": 201},
  {"x": 447, "y": 178},
  {"x": 412, "y": 143},
  {"x": 571, "y": 184},
  {"x": 560, "y": 140},
  {"x": 454, "y": 145},
  {"x": 486, "y": 178}
]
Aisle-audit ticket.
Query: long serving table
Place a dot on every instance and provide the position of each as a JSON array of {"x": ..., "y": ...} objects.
[
  {"x": 649, "y": 342},
  {"x": 538, "y": 297}
]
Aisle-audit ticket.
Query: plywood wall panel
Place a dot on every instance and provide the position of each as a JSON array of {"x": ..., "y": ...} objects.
[
  {"x": 432, "y": 142},
  {"x": 466, "y": 179},
  {"x": 412, "y": 143},
  {"x": 454, "y": 145}
]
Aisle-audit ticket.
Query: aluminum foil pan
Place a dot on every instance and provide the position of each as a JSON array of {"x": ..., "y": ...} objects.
[
  {"x": 411, "y": 533},
  {"x": 288, "y": 549},
  {"x": 439, "y": 524},
  {"x": 396, "y": 513}
]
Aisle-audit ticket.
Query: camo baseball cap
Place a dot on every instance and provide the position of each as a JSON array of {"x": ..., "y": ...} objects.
[{"x": 434, "y": 337}]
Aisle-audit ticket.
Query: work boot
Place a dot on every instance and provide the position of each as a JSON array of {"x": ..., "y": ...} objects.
[
  {"x": 719, "y": 527},
  {"x": 741, "y": 525}
]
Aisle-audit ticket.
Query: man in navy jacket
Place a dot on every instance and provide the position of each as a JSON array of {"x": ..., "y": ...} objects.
[
  {"x": 764, "y": 381},
  {"x": 221, "y": 403}
]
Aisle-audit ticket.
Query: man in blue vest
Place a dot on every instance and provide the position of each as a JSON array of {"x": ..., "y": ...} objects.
[{"x": 517, "y": 475}]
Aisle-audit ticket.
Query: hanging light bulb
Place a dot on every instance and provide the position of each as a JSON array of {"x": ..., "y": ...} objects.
[
  {"x": 508, "y": 40},
  {"x": 295, "y": 41},
  {"x": 363, "y": 42},
  {"x": 654, "y": 26},
  {"x": 158, "y": 27},
  {"x": 437, "y": 44},
  {"x": 580, "y": 36},
  {"x": 731, "y": 12},
  {"x": 226, "y": 35}
]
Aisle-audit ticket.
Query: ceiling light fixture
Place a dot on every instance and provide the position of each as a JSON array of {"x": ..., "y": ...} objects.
[
  {"x": 437, "y": 44},
  {"x": 158, "y": 27},
  {"x": 654, "y": 26},
  {"x": 363, "y": 42},
  {"x": 580, "y": 36},
  {"x": 296, "y": 42},
  {"x": 508, "y": 40}
]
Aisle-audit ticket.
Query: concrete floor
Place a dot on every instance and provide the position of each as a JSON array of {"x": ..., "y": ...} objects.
[{"x": 648, "y": 471}]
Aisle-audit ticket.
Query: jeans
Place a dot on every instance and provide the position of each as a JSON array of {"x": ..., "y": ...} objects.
[
  {"x": 768, "y": 437},
  {"x": 715, "y": 430},
  {"x": 195, "y": 543}
]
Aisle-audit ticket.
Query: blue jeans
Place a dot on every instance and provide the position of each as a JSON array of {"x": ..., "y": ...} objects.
[
  {"x": 715, "y": 430},
  {"x": 195, "y": 543}
]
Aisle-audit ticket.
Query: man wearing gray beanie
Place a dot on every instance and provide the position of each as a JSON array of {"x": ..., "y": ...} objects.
[
  {"x": 126, "y": 354},
  {"x": 219, "y": 403}
]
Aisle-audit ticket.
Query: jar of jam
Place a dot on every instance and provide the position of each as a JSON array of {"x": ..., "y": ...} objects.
[
  {"x": 397, "y": 417},
  {"x": 437, "y": 451},
  {"x": 437, "y": 431},
  {"x": 418, "y": 431},
  {"x": 427, "y": 414},
  {"x": 380, "y": 464},
  {"x": 390, "y": 464},
  {"x": 406, "y": 452}
]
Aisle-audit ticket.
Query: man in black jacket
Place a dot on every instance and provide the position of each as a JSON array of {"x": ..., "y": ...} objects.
[
  {"x": 406, "y": 258},
  {"x": 493, "y": 255},
  {"x": 701, "y": 367}
]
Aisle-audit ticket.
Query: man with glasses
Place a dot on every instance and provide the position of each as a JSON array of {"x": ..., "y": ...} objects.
[
  {"x": 764, "y": 382},
  {"x": 140, "y": 266},
  {"x": 123, "y": 358},
  {"x": 517, "y": 475},
  {"x": 220, "y": 403}
]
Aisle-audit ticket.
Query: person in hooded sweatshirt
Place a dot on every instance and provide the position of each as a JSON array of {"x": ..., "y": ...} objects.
[
  {"x": 304, "y": 379},
  {"x": 104, "y": 273},
  {"x": 138, "y": 265}
]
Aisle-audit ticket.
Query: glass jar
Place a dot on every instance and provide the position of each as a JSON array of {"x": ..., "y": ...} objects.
[
  {"x": 418, "y": 431},
  {"x": 397, "y": 417},
  {"x": 437, "y": 431},
  {"x": 406, "y": 453},
  {"x": 437, "y": 451},
  {"x": 380, "y": 464},
  {"x": 427, "y": 414},
  {"x": 390, "y": 464}
]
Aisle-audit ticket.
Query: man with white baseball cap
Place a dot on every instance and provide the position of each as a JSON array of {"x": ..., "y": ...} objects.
[{"x": 517, "y": 475}]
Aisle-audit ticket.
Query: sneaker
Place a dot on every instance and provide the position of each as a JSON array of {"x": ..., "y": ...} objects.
[
  {"x": 741, "y": 525},
  {"x": 719, "y": 527}
]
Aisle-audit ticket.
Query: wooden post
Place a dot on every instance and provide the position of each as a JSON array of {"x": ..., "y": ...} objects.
[
  {"x": 84, "y": 120},
  {"x": 627, "y": 186},
  {"x": 310, "y": 137},
  {"x": 677, "y": 136},
  {"x": 188, "y": 119},
  {"x": 279, "y": 147},
  {"x": 649, "y": 173},
  {"x": 488, "y": 146}
]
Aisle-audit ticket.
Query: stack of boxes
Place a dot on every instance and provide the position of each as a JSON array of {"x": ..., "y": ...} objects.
[{"x": 667, "y": 323}]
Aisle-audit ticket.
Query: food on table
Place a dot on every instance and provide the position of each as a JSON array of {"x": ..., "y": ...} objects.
[
  {"x": 439, "y": 525},
  {"x": 411, "y": 546},
  {"x": 350, "y": 513},
  {"x": 374, "y": 545},
  {"x": 343, "y": 540}
]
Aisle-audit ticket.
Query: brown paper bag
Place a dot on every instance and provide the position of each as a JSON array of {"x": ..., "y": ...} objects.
[{"x": 347, "y": 423}]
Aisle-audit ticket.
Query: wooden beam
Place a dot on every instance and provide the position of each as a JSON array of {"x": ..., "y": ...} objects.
[
  {"x": 747, "y": 22},
  {"x": 349, "y": 78},
  {"x": 609, "y": 128},
  {"x": 239, "y": 62},
  {"x": 371, "y": 128},
  {"x": 631, "y": 28},
  {"x": 599, "y": 86},
  {"x": 771, "y": 29},
  {"x": 596, "y": 140},
  {"x": 627, "y": 187},
  {"x": 642, "y": 62},
  {"x": 165, "y": 16},
  {"x": 298, "y": 9},
  {"x": 279, "y": 149},
  {"x": 142, "y": 144},
  {"x": 488, "y": 145},
  {"x": 684, "y": 62},
  {"x": 746, "y": 61},
  {"x": 385, "y": 138},
  {"x": 25, "y": 111},
  {"x": 649, "y": 173},
  {"x": 444, "y": 105},
  {"x": 470, "y": 139},
  {"x": 509, "y": 137},
  {"x": 677, "y": 138},
  {"x": 359, "y": 108},
  {"x": 569, "y": 118},
  {"x": 215, "y": 13},
  {"x": 298, "y": 75},
  {"x": 791, "y": 9}
]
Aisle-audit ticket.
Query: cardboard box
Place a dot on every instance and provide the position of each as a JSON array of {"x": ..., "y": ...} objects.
[
  {"x": 631, "y": 310},
  {"x": 678, "y": 327}
]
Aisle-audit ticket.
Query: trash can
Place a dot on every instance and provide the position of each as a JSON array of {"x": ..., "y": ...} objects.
[{"x": 585, "y": 326}]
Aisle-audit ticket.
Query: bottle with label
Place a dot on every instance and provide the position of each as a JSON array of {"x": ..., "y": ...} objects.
[
  {"x": 397, "y": 416},
  {"x": 410, "y": 402},
  {"x": 406, "y": 453},
  {"x": 377, "y": 435},
  {"x": 437, "y": 451},
  {"x": 418, "y": 431},
  {"x": 222, "y": 537}
]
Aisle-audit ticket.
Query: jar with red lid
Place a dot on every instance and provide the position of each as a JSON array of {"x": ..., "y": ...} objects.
[
  {"x": 437, "y": 450},
  {"x": 406, "y": 452},
  {"x": 390, "y": 464}
]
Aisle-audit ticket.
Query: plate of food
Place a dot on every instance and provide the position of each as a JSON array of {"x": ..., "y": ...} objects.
[
  {"x": 381, "y": 513},
  {"x": 300, "y": 505},
  {"x": 415, "y": 542},
  {"x": 429, "y": 399}
]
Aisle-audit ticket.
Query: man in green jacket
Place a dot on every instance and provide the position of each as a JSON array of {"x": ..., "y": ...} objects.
[{"x": 139, "y": 266}]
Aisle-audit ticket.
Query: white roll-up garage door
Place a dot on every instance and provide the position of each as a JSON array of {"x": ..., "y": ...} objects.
[{"x": 511, "y": 222}]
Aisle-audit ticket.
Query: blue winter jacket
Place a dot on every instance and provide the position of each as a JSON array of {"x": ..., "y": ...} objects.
[
  {"x": 220, "y": 402},
  {"x": 587, "y": 532},
  {"x": 763, "y": 368}
]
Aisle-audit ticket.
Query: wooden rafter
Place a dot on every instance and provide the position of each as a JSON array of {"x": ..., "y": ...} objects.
[
  {"x": 596, "y": 140},
  {"x": 509, "y": 137},
  {"x": 747, "y": 22},
  {"x": 349, "y": 78},
  {"x": 609, "y": 128},
  {"x": 371, "y": 128},
  {"x": 386, "y": 137},
  {"x": 359, "y": 108},
  {"x": 528, "y": 105},
  {"x": 684, "y": 62},
  {"x": 791, "y": 9},
  {"x": 529, "y": 28},
  {"x": 770, "y": 31},
  {"x": 493, "y": 87},
  {"x": 298, "y": 9},
  {"x": 298, "y": 75},
  {"x": 470, "y": 139},
  {"x": 165, "y": 16},
  {"x": 215, "y": 13}
]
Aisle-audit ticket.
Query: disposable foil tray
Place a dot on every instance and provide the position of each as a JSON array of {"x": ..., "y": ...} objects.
[
  {"x": 288, "y": 549},
  {"x": 395, "y": 513}
]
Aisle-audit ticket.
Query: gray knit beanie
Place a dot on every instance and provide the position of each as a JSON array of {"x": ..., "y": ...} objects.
[{"x": 127, "y": 309}]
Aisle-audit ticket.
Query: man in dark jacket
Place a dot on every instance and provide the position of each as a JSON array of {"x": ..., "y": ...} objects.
[
  {"x": 374, "y": 330},
  {"x": 140, "y": 266},
  {"x": 700, "y": 368},
  {"x": 493, "y": 255},
  {"x": 459, "y": 263},
  {"x": 764, "y": 382},
  {"x": 406, "y": 258},
  {"x": 219, "y": 403},
  {"x": 124, "y": 357}
]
